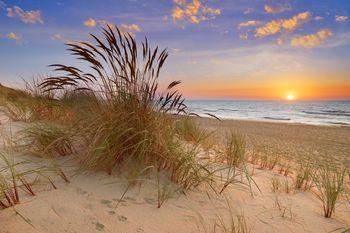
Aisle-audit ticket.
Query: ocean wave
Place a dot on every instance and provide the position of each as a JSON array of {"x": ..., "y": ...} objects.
[
  {"x": 328, "y": 113},
  {"x": 277, "y": 118},
  {"x": 339, "y": 123},
  {"x": 227, "y": 109}
]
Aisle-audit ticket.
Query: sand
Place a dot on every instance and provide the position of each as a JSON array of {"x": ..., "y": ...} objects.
[
  {"x": 328, "y": 142},
  {"x": 88, "y": 202}
]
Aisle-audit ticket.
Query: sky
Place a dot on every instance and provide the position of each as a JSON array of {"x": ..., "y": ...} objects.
[{"x": 219, "y": 49}]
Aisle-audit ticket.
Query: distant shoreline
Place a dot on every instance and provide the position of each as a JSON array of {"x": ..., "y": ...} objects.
[{"x": 277, "y": 121}]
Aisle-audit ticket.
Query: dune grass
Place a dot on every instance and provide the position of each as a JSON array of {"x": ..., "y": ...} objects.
[
  {"x": 329, "y": 182},
  {"x": 18, "y": 178},
  {"x": 47, "y": 139}
]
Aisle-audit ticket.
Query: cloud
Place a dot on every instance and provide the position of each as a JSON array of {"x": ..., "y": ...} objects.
[
  {"x": 243, "y": 36},
  {"x": 311, "y": 40},
  {"x": 194, "y": 11},
  {"x": 277, "y": 8},
  {"x": 90, "y": 23},
  {"x": 131, "y": 27},
  {"x": 13, "y": 36},
  {"x": 124, "y": 28},
  {"x": 248, "y": 11},
  {"x": 58, "y": 37},
  {"x": 249, "y": 23},
  {"x": 276, "y": 26},
  {"x": 318, "y": 18},
  {"x": 25, "y": 16},
  {"x": 341, "y": 18}
]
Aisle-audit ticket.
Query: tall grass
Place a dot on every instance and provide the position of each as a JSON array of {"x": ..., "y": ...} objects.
[
  {"x": 330, "y": 184},
  {"x": 127, "y": 118},
  {"x": 48, "y": 139}
]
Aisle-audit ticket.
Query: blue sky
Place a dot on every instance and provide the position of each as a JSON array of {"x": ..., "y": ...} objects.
[{"x": 218, "y": 48}]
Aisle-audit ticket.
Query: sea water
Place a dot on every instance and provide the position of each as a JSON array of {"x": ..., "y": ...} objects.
[{"x": 310, "y": 112}]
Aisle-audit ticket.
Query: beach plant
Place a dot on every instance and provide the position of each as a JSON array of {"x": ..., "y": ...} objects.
[
  {"x": 47, "y": 139},
  {"x": 329, "y": 182},
  {"x": 128, "y": 118},
  {"x": 275, "y": 184},
  {"x": 18, "y": 177},
  {"x": 235, "y": 170},
  {"x": 234, "y": 153},
  {"x": 226, "y": 219},
  {"x": 189, "y": 130},
  {"x": 303, "y": 177}
]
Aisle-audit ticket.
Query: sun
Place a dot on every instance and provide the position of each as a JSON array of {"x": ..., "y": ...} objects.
[{"x": 290, "y": 97}]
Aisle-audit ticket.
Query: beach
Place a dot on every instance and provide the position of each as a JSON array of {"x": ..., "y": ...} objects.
[
  {"x": 94, "y": 202},
  {"x": 302, "y": 140}
]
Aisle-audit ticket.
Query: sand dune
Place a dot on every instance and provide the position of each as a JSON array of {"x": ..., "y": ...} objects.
[{"x": 88, "y": 203}]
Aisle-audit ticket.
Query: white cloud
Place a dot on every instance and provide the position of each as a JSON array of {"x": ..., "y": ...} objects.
[
  {"x": 341, "y": 18},
  {"x": 248, "y": 11},
  {"x": 58, "y": 37},
  {"x": 25, "y": 16}
]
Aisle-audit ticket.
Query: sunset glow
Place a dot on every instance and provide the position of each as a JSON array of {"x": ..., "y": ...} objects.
[
  {"x": 249, "y": 50},
  {"x": 290, "y": 97}
]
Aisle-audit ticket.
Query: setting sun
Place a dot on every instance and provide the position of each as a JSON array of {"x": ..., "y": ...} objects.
[{"x": 290, "y": 97}]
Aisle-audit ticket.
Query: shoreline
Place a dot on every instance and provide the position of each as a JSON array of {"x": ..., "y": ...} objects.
[{"x": 276, "y": 121}]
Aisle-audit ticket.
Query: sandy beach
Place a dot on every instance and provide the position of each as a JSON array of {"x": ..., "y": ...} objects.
[
  {"x": 303, "y": 140},
  {"x": 91, "y": 202}
]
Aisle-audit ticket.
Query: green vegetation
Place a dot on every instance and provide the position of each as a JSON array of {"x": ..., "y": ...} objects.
[{"x": 330, "y": 184}]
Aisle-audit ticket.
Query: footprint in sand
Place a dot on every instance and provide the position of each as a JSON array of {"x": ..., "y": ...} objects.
[{"x": 122, "y": 218}]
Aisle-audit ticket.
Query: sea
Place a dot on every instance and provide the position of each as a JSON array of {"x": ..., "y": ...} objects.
[{"x": 308, "y": 112}]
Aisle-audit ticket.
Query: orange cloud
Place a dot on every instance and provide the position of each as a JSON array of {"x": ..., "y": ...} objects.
[
  {"x": 194, "y": 11},
  {"x": 25, "y": 16},
  {"x": 249, "y": 23},
  {"x": 13, "y": 36},
  {"x": 312, "y": 40},
  {"x": 276, "y": 9},
  {"x": 276, "y": 26},
  {"x": 90, "y": 23}
]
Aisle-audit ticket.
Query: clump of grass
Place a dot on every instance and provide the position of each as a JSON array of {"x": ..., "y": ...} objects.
[
  {"x": 128, "y": 119},
  {"x": 48, "y": 139},
  {"x": 234, "y": 153},
  {"x": 275, "y": 184},
  {"x": 330, "y": 184},
  {"x": 303, "y": 178},
  {"x": 280, "y": 186},
  {"x": 189, "y": 130},
  {"x": 19, "y": 177}
]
